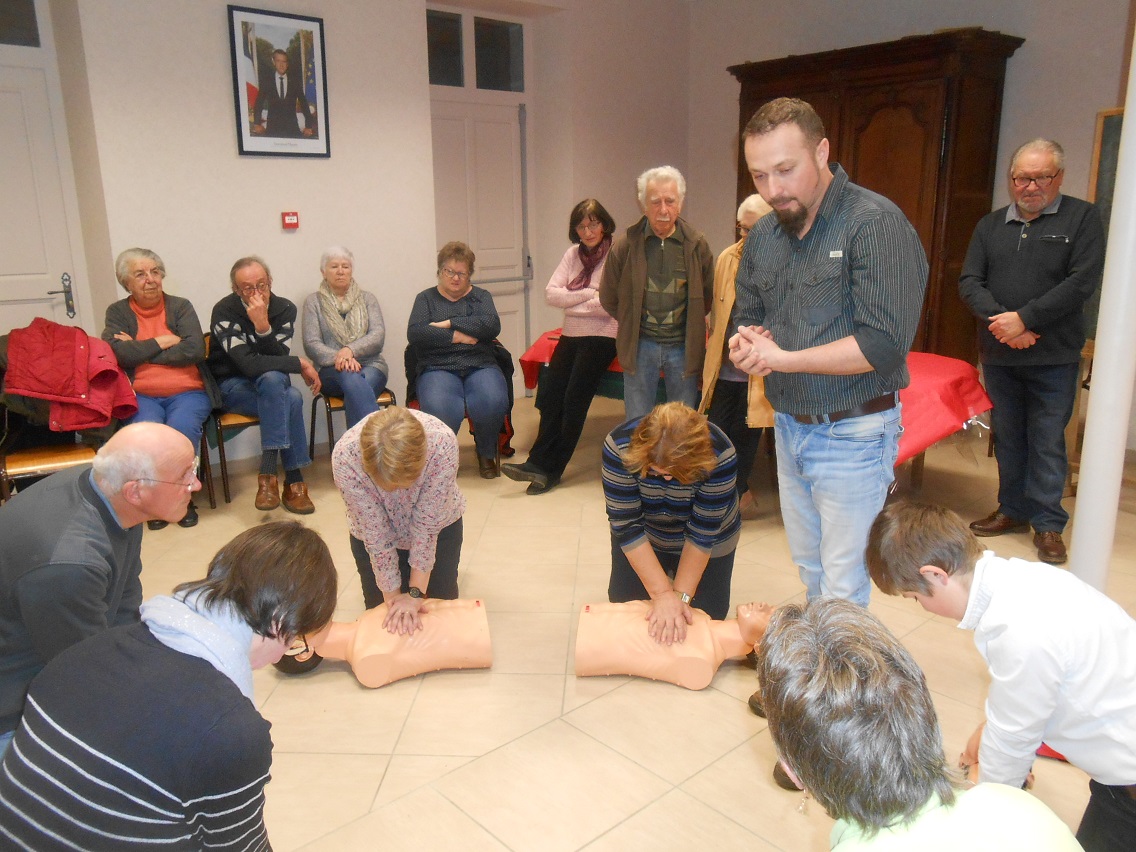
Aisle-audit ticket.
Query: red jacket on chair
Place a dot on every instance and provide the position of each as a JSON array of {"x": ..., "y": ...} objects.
[{"x": 76, "y": 372}]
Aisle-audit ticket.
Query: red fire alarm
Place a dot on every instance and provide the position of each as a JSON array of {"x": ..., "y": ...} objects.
[{"x": 290, "y": 221}]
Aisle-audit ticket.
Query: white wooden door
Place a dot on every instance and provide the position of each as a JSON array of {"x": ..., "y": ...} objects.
[
  {"x": 38, "y": 241},
  {"x": 478, "y": 200}
]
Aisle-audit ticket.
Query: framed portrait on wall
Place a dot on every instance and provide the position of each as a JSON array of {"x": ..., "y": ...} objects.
[{"x": 279, "y": 83}]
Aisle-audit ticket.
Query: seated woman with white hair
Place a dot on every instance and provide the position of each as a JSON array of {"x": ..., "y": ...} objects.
[{"x": 344, "y": 335}]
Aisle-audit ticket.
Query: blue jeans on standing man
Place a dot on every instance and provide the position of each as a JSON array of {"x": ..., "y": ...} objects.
[
  {"x": 833, "y": 479},
  {"x": 358, "y": 390},
  {"x": 640, "y": 387},
  {"x": 1032, "y": 406},
  {"x": 271, "y": 397},
  {"x": 482, "y": 392}
]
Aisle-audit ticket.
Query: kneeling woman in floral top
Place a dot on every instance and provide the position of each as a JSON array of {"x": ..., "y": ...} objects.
[{"x": 397, "y": 470}]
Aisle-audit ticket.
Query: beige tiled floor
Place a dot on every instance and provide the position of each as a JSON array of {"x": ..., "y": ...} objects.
[{"x": 528, "y": 757}]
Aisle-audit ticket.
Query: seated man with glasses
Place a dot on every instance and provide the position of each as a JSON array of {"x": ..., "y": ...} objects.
[
  {"x": 252, "y": 329},
  {"x": 71, "y": 551},
  {"x": 1029, "y": 270}
]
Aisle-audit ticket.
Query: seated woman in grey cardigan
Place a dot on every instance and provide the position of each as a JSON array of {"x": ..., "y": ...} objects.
[
  {"x": 158, "y": 342},
  {"x": 344, "y": 336}
]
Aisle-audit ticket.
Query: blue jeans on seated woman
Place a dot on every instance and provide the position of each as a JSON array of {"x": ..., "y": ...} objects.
[
  {"x": 358, "y": 390},
  {"x": 481, "y": 393},
  {"x": 271, "y": 397},
  {"x": 185, "y": 412}
]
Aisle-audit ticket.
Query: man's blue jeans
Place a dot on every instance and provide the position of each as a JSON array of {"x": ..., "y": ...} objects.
[
  {"x": 482, "y": 393},
  {"x": 1032, "y": 406},
  {"x": 640, "y": 387},
  {"x": 358, "y": 390},
  {"x": 185, "y": 412},
  {"x": 833, "y": 479},
  {"x": 271, "y": 397}
]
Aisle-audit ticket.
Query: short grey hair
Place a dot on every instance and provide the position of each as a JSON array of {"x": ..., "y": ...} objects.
[
  {"x": 836, "y": 682},
  {"x": 1040, "y": 144},
  {"x": 660, "y": 174},
  {"x": 117, "y": 466},
  {"x": 753, "y": 204},
  {"x": 335, "y": 253},
  {"x": 248, "y": 260},
  {"x": 122, "y": 263}
]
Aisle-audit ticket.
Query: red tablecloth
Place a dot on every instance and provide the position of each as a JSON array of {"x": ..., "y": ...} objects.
[{"x": 943, "y": 395}]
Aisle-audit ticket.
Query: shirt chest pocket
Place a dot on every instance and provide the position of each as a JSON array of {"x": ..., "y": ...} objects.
[{"x": 822, "y": 293}]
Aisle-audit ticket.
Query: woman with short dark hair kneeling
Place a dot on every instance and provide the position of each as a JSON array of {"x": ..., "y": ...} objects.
[
  {"x": 145, "y": 735},
  {"x": 672, "y": 504},
  {"x": 397, "y": 471}
]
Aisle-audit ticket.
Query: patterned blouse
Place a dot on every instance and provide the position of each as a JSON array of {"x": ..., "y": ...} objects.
[{"x": 407, "y": 518}]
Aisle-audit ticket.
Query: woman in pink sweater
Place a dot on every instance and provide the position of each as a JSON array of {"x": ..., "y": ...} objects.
[{"x": 586, "y": 348}]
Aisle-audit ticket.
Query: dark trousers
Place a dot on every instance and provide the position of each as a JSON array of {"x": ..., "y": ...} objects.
[
  {"x": 567, "y": 388},
  {"x": 1109, "y": 822},
  {"x": 712, "y": 597},
  {"x": 1032, "y": 406},
  {"x": 728, "y": 409},
  {"x": 443, "y": 579}
]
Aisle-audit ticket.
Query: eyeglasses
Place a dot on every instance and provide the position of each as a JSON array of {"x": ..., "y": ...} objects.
[
  {"x": 454, "y": 274},
  {"x": 1042, "y": 181},
  {"x": 187, "y": 481},
  {"x": 590, "y": 225},
  {"x": 143, "y": 274},
  {"x": 252, "y": 288}
]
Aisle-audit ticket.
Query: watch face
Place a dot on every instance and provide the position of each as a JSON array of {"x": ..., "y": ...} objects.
[{"x": 416, "y": 592}]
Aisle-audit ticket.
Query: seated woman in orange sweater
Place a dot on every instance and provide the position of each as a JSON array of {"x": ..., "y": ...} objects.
[{"x": 158, "y": 342}]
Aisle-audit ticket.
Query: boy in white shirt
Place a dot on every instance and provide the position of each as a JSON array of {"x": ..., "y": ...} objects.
[{"x": 1062, "y": 657}]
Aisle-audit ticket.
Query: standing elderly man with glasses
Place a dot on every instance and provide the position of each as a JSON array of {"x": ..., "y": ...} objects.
[
  {"x": 658, "y": 282},
  {"x": 71, "y": 551},
  {"x": 250, "y": 359},
  {"x": 1030, "y": 268}
]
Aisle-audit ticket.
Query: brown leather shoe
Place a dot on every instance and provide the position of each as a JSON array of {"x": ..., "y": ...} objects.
[
  {"x": 996, "y": 523},
  {"x": 296, "y": 499},
  {"x": 267, "y": 492},
  {"x": 781, "y": 778},
  {"x": 756, "y": 706},
  {"x": 1050, "y": 547},
  {"x": 488, "y": 467}
]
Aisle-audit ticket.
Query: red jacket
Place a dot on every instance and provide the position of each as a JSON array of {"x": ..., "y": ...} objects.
[{"x": 77, "y": 373}]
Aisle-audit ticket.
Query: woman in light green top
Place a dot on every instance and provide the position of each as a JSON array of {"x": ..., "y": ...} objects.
[{"x": 854, "y": 725}]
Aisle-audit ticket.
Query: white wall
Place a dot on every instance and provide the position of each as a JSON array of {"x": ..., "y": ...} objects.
[{"x": 161, "y": 93}]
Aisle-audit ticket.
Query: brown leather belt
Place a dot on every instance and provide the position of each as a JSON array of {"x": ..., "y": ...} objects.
[{"x": 872, "y": 406}]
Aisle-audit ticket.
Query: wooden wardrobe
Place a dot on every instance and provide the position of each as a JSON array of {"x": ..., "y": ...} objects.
[{"x": 915, "y": 120}]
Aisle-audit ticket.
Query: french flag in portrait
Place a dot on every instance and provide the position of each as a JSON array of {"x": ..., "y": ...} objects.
[{"x": 248, "y": 63}]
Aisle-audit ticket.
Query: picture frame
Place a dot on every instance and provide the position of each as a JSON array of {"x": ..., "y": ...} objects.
[{"x": 279, "y": 83}]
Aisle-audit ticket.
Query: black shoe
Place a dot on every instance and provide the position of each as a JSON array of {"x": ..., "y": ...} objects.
[
  {"x": 190, "y": 519},
  {"x": 157, "y": 525},
  {"x": 756, "y": 705},
  {"x": 488, "y": 467},
  {"x": 538, "y": 487},
  {"x": 526, "y": 472}
]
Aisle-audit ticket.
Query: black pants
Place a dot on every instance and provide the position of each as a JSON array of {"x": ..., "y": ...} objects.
[
  {"x": 443, "y": 579},
  {"x": 712, "y": 597},
  {"x": 728, "y": 409},
  {"x": 1109, "y": 822},
  {"x": 567, "y": 388}
]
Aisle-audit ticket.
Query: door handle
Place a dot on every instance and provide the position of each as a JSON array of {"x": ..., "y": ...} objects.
[{"x": 68, "y": 295}]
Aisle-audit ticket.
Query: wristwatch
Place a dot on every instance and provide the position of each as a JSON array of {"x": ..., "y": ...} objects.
[
  {"x": 682, "y": 596},
  {"x": 416, "y": 593}
]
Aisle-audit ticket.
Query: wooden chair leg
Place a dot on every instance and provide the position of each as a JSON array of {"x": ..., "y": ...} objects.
[
  {"x": 224, "y": 463},
  {"x": 312, "y": 430}
]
